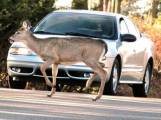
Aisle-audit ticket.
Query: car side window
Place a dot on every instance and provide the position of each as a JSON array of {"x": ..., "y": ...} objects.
[
  {"x": 123, "y": 27},
  {"x": 132, "y": 28},
  {"x": 139, "y": 34}
]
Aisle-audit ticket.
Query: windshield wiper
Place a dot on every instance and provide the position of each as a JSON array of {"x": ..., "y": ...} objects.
[
  {"x": 67, "y": 33},
  {"x": 78, "y": 34},
  {"x": 44, "y": 32}
]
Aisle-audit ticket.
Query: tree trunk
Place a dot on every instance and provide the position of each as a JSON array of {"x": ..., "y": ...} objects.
[
  {"x": 109, "y": 6},
  {"x": 116, "y": 6},
  {"x": 153, "y": 11},
  {"x": 119, "y": 6},
  {"x": 101, "y": 5},
  {"x": 89, "y": 4},
  {"x": 105, "y": 5},
  {"x": 113, "y": 6}
]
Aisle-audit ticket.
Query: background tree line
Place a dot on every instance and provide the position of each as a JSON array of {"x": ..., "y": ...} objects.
[
  {"x": 12, "y": 14},
  {"x": 125, "y": 7}
]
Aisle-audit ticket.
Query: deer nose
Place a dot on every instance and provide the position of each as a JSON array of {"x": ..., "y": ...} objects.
[{"x": 11, "y": 40}]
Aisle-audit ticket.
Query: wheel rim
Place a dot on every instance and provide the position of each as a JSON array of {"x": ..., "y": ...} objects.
[
  {"x": 147, "y": 80},
  {"x": 115, "y": 78}
]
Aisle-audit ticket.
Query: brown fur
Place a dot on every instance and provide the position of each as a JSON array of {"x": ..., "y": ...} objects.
[{"x": 65, "y": 51}]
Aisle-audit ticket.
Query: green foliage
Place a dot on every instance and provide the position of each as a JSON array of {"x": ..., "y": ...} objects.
[
  {"x": 158, "y": 21},
  {"x": 14, "y": 12},
  {"x": 158, "y": 8},
  {"x": 79, "y": 4},
  {"x": 97, "y": 7}
]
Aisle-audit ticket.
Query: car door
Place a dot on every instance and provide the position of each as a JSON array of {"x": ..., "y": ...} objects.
[
  {"x": 131, "y": 66},
  {"x": 139, "y": 47}
]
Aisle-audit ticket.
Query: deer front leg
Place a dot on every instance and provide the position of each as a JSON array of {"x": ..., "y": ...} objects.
[
  {"x": 90, "y": 80},
  {"x": 54, "y": 74},
  {"x": 46, "y": 64}
]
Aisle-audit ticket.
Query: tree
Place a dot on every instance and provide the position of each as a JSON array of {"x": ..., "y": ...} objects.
[
  {"x": 79, "y": 4},
  {"x": 128, "y": 6},
  {"x": 12, "y": 14},
  {"x": 153, "y": 11},
  {"x": 158, "y": 8},
  {"x": 117, "y": 6},
  {"x": 111, "y": 6},
  {"x": 105, "y": 5}
]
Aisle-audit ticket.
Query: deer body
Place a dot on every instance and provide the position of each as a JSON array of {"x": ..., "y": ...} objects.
[{"x": 65, "y": 51}]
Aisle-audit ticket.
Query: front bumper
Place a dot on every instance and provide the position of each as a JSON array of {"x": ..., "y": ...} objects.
[{"x": 30, "y": 67}]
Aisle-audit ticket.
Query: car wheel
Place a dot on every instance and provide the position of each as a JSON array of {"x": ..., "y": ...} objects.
[
  {"x": 112, "y": 84},
  {"x": 16, "y": 84},
  {"x": 142, "y": 90}
]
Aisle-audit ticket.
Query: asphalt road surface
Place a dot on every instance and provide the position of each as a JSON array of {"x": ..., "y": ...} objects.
[{"x": 34, "y": 105}]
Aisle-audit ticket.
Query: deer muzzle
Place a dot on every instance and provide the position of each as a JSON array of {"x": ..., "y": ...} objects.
[{"x": 11, "y": 40}]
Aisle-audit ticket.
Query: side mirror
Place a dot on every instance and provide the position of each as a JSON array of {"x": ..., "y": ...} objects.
[
  {"x": 128, "y": 38},
  {"x": 31, "y": 29}
]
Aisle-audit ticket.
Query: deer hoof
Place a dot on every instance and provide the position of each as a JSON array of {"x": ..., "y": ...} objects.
[
  {"x": 48, "y": 95},
  {"x": 93, "y": 99},
  {"x": 88, "y": 89}
]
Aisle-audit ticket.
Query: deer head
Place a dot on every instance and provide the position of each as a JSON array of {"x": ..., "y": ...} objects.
[{"x": 22, "y": 33}]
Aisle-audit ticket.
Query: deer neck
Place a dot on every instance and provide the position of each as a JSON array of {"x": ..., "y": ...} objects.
[{"x": 32, "y": 43}]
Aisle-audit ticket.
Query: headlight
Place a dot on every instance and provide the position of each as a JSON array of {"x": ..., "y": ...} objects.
[
  {"x": 103, "y": 58},
  {"x": 21, "y": 51}
]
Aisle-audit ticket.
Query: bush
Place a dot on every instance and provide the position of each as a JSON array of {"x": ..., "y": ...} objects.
[{"x": 12, "y": 14}]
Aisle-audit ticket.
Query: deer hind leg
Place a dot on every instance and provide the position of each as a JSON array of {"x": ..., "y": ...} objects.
[
  {"x": 103, "y": 75},
  {"x": 54, "y": 74},
  {"x": 89, "y": 81},
  {"x": 98, "y": 69},
  {"x": 102, "y": 64}
]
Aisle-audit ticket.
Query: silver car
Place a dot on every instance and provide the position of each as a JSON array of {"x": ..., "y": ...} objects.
[{"x": 129, "y": 60}]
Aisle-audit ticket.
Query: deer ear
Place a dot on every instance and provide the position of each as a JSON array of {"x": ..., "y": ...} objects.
[{"x": 26, "y": 24}]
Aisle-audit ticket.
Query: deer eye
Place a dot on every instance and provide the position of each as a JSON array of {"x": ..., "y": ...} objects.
[{"x": 17, "y": 33}]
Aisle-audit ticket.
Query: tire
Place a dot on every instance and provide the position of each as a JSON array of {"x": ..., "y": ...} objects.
[
  {"x": 16, "y": 84},
  {"x": 142, "y": 90},
  {"x": 112, "y": 84}
]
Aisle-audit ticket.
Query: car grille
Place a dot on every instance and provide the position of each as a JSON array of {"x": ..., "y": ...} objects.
[
  {"x": 61, "y": 73},
  {"x": 78, "y": 73}
]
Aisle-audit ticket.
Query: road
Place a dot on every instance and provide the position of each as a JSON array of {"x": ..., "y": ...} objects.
[{"x": 34, "y": 105}]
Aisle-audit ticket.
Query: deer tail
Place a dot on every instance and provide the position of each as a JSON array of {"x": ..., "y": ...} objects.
[{"x": 105, "y": 46}]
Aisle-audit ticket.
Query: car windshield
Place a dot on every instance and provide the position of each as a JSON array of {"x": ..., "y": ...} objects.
[{"x": 78, "y": 24}]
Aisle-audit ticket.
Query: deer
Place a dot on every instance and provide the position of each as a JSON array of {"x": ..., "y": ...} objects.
[{"x": 65, "y": 51}]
